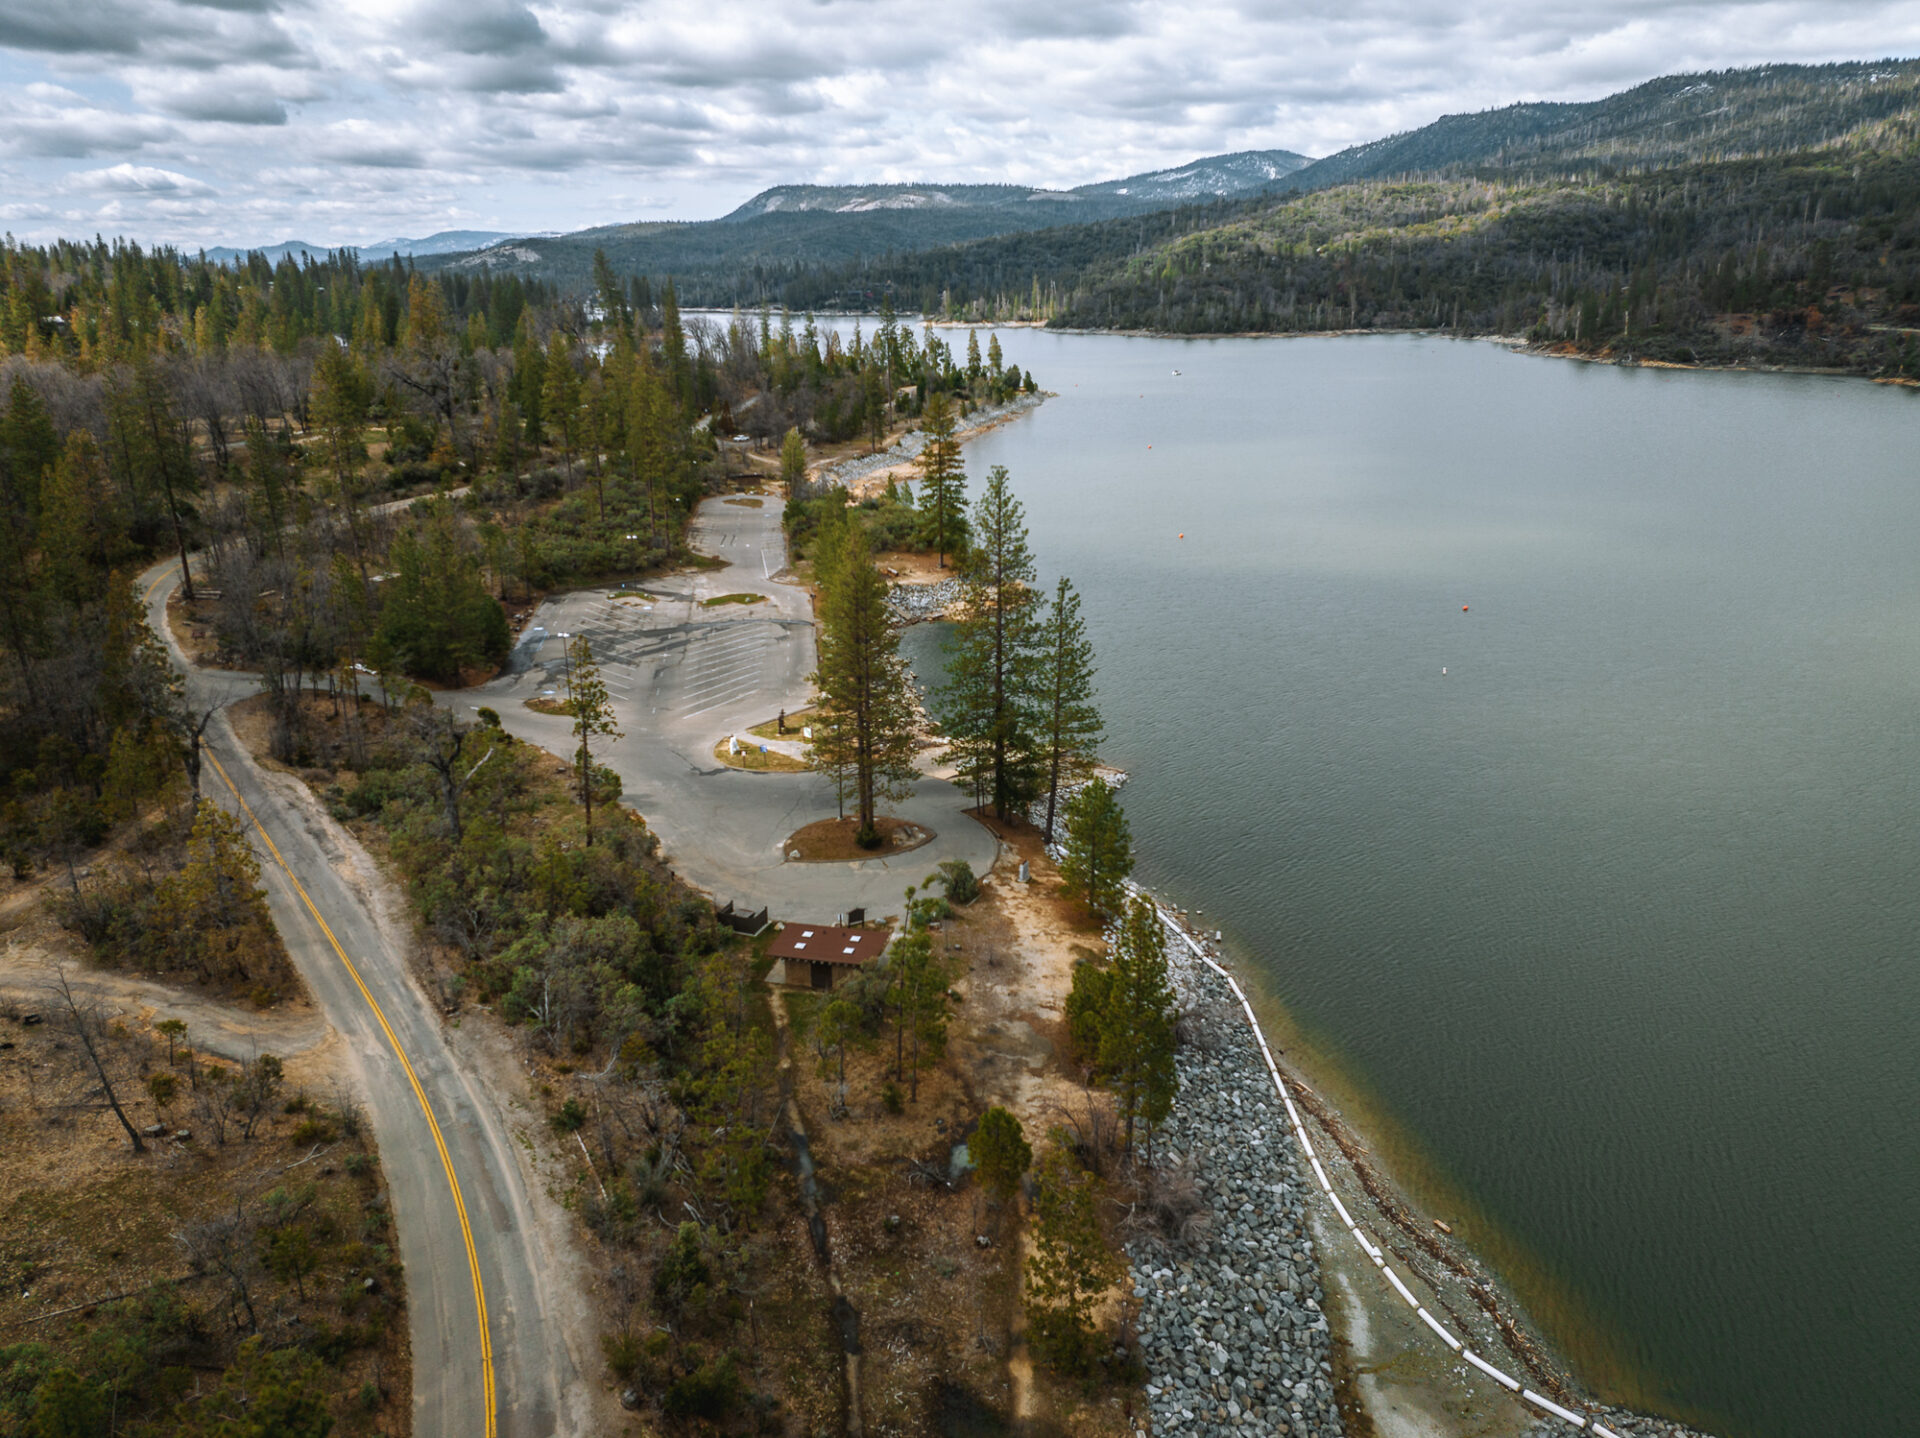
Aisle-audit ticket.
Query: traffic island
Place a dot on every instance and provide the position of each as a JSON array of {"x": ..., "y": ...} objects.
[{"x": 831, "y": 841}]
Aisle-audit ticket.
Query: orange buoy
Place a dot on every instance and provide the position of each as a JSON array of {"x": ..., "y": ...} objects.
[
  {"x": 1183, "y": 535},
  {"x": 1463, "y": 609}
]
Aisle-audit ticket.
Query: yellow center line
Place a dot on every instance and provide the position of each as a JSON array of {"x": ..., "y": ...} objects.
[{"x": 413, "y": 1079}]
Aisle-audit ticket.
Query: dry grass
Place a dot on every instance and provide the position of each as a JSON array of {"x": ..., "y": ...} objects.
[
  {"x": 83, "y": 1218},
  {"x": 540, "y": 704}
]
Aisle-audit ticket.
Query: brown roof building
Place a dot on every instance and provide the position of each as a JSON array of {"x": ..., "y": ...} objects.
[{"x": 817, "y": 956}]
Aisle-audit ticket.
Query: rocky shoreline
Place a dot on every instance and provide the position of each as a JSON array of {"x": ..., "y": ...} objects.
[
  {"x": 907, "y": 448},
  {"x": 1230, "y": 1322},
  {"x": 918, "y": 603}
]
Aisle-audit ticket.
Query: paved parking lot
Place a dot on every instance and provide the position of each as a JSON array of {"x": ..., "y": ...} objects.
[{"x": 684, "y": 675}]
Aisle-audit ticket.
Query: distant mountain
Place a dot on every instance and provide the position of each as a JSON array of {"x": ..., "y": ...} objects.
[
  {"x": 299, "y": 250},
  {"x": 1250, "y": 172},
  {"x": 446, "y": 242},
  {"x": 443, "y": 242},
  {"x": 812, "y": 225},
  {"x": 1728, "y": 114}
]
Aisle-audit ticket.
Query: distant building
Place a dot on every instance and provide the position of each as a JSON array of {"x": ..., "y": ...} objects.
[{"x": 818, "y": 956}]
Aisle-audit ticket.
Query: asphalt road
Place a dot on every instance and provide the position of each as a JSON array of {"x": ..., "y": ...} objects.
[
  {"x": 489, "y": 1352},
  {"x": 684, "y": 675}
]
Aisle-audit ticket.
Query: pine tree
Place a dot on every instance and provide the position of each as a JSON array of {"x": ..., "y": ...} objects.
[
  {"x": 919, "y": 998},
  {"x": 1070, "y": 1265},
  {"x": 560, "y": 397},
  {"x": 988, "y": 706},
  {"x": 866, "y": 716},
  {"x": 1071, "y": 728},
  {"x": 1098, "y": 850},
  {"x": 593, "y": 715},
  {"x": 793, "y": 463},
  {"x": 973, "y": 354},
  {"x": 1000, "y": 1152},
  {"x": 1136, "y": 1022},
  {"x": 943, "y": 481}
]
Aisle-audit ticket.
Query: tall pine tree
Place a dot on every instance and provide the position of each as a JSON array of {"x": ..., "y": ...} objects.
[
  {"x": 1136, "y": 1023},
  {"x": 1071, "y": 727},
  {"x": 866, "y": 721},
  {"x": 943, "y": 481},
  {"x": 988, "y": 705}
]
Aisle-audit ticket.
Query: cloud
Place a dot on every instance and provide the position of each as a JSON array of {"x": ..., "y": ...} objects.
[
  {"x": 342, "y": 119},
  {"x": 138, "y": 180}
]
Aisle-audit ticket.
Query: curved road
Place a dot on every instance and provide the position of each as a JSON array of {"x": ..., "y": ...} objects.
[
  {"x": 489, "y": 1351},
  {"x": 683, "y": 676}
]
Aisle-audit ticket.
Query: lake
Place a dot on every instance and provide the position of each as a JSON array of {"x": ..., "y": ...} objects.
[{"x": 1544, "y": 737}]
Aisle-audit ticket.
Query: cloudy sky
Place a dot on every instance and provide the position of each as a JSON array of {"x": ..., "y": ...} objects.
[{"x": 347, "y": 121}]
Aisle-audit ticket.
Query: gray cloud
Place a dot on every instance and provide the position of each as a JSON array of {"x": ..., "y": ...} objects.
[{"x": 339, "y": 119}]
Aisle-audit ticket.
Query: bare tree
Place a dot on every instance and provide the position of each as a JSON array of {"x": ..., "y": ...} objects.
[{"x": 83, "y": 1021}]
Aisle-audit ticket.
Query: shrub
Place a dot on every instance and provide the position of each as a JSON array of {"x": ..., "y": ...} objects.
[
  {"x": 571, "y": 1118},
  {"x": 713, "y": 1390}
]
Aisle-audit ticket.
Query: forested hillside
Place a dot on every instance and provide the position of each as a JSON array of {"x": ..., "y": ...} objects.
[
  {"x": 1808, "y": 258},
  {"x": 1726, "y": 114}
]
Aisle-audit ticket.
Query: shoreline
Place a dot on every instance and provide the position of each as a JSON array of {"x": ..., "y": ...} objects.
[
  {"x": 1519, "y": 344},
  {"x": 1372, "y": 1262}
]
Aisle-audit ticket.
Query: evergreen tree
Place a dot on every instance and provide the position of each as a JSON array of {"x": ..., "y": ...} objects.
[
  {"x": 560, "y": 397},
  {"x": 1136, "y": 1022},
  {"x": 988, "y": 706},
  {"x": 1098, "y": 850},
  {"x": 918, "y": 995},
  {"x": 436, "y": 616},
  {"x": 943, "y": 481},
  {"x": 1070, "y": 1264},
  {"x": 1071, "y": 727},
  {"x": 1000, "y": 1152},
  {"x": 793, "y": 462},
  {"x": 866, "y": 717},
  {"x": 593, "y": 716}
]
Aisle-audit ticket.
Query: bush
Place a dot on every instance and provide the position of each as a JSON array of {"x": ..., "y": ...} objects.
[
  {"x": 961, "y": 886},
  {"x": 713, "y": 1390},
  {"x": 571, "y": 1118}
]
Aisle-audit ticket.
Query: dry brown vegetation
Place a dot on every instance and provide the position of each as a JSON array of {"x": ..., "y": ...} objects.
[{"x": 254, "y": 1212}]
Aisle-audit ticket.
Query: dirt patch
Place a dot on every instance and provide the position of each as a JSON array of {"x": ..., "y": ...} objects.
[
  {"x": 194, "y": 630},
  {"x": 903, "y": 567},
  {"x": 755, "y": 759},
  {"x": 837, "y": 840}
]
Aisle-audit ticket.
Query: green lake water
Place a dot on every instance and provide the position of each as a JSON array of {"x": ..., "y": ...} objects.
[{"x": 1545, "y": 736}]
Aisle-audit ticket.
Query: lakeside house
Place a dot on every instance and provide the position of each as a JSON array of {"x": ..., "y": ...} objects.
[{"x": 819, "y": 956}]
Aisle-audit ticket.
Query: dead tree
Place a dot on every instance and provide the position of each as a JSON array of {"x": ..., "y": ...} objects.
[{"x": 84, "y": 1023}]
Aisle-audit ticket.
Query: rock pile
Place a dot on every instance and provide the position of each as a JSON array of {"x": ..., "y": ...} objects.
[
  {"x": 1231, "y": 1326},
  {"x": 915, "y": 603}
]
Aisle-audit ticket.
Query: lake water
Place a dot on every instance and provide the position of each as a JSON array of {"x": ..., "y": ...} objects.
[{"x": 1545, "y": 736}]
